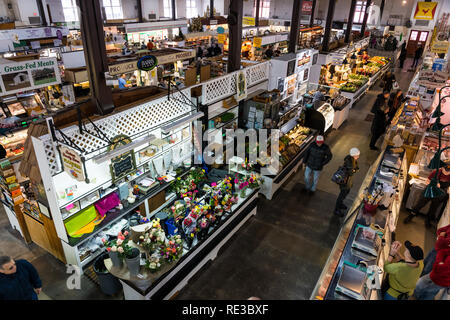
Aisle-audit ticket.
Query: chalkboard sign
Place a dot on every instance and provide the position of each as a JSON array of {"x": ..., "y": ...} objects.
[{"x": 122, "y": 166}]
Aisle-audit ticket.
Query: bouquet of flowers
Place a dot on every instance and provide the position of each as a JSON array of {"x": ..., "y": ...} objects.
[
  {"x": 119, "y": 245},
  {"x": 203, "y": 227},
  {"x": 153, "y": 264},
  {"x": 152, "y": 239},
  {"x": 173, "y": 250},
  {"x": 255, "y": 181}
]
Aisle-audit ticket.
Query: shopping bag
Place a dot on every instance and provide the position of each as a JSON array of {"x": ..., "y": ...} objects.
[
  {"x": 340, "y": 176},
  {"x": 395, "y": 85}
]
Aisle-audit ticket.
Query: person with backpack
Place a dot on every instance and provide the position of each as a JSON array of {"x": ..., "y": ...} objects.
[
  {"x": 316, "y": 157},
  {"x": 402, "y": 275},
  {"x": 345, "y": 182}
]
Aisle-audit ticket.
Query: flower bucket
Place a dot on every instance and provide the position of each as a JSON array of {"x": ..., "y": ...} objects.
[
  {"x": 171, "y": 227},
  {"x": 116, "y": 261},
  {"x": 134, "y": 264},
  {"x": 370, "y": 208}
]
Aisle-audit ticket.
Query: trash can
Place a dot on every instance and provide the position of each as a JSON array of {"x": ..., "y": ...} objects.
[{"x": 109, "y": 284}]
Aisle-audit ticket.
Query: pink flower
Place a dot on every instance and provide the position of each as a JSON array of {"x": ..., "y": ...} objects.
[
  {"x": 119, "y": 242},
  {"x": 213, "y": 184},
  {"x": 236, "y": 181},
  {"x": 103, "y": 240},
  {"x": 120, "y": 249},
  {"x": 121, "y": 237},
  {"x": 126, "y": 233}
]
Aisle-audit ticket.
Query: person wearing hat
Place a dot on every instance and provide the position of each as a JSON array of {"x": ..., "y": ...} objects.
[
  {"x": 444, "y": 184},
  {"x": 430, "y": 284},
  {"x": 316, "y": 157},
  {"x": 403, "y": 275},
  {"x": 351, "y": 167}
]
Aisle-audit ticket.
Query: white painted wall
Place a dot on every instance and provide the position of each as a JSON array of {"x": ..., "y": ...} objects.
[
  {"x": 27, "y": 8},
  {"x": 56, "y": 10},
  {"x": 129, "y": 9},
  {"x": 151, "y": 6}
]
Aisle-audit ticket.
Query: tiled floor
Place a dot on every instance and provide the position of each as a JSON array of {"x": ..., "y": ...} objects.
[{"x": 278, "y": 254}]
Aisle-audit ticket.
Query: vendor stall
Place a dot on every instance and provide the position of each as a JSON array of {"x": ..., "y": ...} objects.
[
  {"x": 354, "y": 269},
  {"x": 310, "y": 37}
]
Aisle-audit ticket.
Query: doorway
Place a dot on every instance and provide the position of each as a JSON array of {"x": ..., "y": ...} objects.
[{"x": 416, "y": 37}]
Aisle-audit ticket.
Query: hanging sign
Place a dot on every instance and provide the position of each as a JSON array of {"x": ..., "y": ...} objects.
[
  {"x": 28, "y": 75},
  {"x": 220, "y": 30},
  {"x": 248, "y": 21},
  {"x": 307, "y": 7},
  {"x": 425, "y": 10},
  {"x": 440, "y": 47},
  {"x": 72, "y": 163},
  {"x": 221, "y": 38},
  {"x": 241, "y": 86},
  {"x": 147, "y": 63},
  {"x": 257, "y": 41},
  {"x": 124, "y": 164}
]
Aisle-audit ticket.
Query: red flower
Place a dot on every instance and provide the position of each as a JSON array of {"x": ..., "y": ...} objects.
[{"x": 108, "y": 249}]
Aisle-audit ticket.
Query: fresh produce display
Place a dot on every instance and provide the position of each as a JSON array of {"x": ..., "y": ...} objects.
[
  {"x": 349, "y": 87},
  {"x": 290, "y": 144},
  {"x": 358, "y": 77}
]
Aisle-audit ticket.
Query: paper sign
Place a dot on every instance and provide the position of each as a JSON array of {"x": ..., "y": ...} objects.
[
  {"x": 35, "y": 44},
  {"x": 241, "y": 86},
  {"x": 425, "y": 10},
  {"x": 72, "y": 163},
  {"x": 221, "y": 38},
  {"x": 57, "y": 43},
  {"x": 440, "y": 47},
  {"x": 248, "y": 21},
  {"x": 257, "y": 41}
]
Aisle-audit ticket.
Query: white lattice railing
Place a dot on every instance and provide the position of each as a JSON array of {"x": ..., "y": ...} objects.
[
  {"x": 130, "y": 122},
  {"x": 219, "y": 88}
]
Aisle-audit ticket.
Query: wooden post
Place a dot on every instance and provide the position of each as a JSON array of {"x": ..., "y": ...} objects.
[
  {"x": 328, "y": 25},
  {"x": 366, "y": 16},
  {"x": 295, "y": 25},
  {"x": 382, "y": 9},
  {"x": 235, "y": 33},
  {"x": 211, "y": 8},
  {"x": 311, "y": 21},
  {"x": 258, "y": 6},
  {"x": 95, "y": 54},
  {"x": 351, "y": 15}
]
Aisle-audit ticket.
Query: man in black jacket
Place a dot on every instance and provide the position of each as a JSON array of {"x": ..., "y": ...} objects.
[
  {"x": 382, "y": 100},
  {"x": 417, "y": 55},
  {"x": 19, "y": 280},
  {"x": 379, "y": 125},
  {"x": 350, "y": 167},
  {"x": 316, "y": 157}
]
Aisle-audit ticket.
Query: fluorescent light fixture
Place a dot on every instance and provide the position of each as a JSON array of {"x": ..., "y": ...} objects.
[
  {"x": 123, "y": 149},
  {"x": 183, "y": 121}
]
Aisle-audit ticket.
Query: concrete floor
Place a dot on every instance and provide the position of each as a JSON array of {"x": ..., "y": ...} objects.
[{"x": 279, "y": 253}]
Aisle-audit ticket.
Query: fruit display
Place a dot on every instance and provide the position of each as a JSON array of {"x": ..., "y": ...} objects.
[{"x": 349, "y": 87}]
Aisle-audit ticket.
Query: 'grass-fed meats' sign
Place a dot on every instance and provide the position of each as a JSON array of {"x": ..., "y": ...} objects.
[{"x": 28, "y": 75}]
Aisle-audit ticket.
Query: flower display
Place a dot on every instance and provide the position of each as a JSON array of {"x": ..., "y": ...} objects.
[
  {"x": 172, "y": 250},
  {"x": 153, "y": 264},
  {"x": 154, "y": 237}
]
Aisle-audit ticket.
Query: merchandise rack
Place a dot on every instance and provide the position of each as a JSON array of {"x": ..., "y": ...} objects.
[{"x": 342, "y": 253}]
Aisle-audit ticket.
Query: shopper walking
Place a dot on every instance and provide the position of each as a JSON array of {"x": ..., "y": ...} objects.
[
  {"x": 379, "y": 125},
  {"x": 382, "y": 100},
  {"x": 395, "y": 101},
  {"x": 388, "y": 79},
  {"x": 402, "y": 275},
  {"x": 316, "y": 157},
  {"x": 19, "y": 280},
  {"x": 444, "y": 184},
  {"x": 402, "y": 56},
  {"x": 350, "y": 167},
  {"x": 417, "y": 55},
  {"x": 430, "y": 284}
]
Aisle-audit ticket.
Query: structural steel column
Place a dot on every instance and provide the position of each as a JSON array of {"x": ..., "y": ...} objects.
[
  {"x": 42, "y": 13},
  {"x": 258, "y": 6},
  {"x": 139, "y": 8},
  {"x": 174, "y": 12},
  {"x": 366, "y": 15},
  {"x": 351, "y": 14},
  {"x": 295, "y": 25},
  {"x": 382, "y": 9},
  {"x": 328, "y": 25},
  {"x": 211, "y": 8},
  {"x": 95, "y": 53},
  {"x": 235, "y": 33},
  {"x": 311, "y": 21}
]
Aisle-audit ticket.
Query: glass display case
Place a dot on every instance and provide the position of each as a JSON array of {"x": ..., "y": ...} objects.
[{"x": 328, "y": 113}]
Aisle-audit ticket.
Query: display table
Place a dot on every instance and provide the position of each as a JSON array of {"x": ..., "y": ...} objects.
[
  {"x": 274, "y": 182},
  {"x": 172, "y": 278},
  {"x": 355, "y": 96},
  {"x": 341, "y": 115},
  {"x": 352, "y": 256}
]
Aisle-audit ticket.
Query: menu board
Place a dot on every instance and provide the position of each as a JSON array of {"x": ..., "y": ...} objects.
[{"x": 124, "y": 164}]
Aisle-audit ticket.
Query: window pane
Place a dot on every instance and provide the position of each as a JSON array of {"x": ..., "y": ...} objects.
[
  {"x": 115, "y": 3},
  {"x": 413, "y": 36},
  {"x": 423, "y": 36},
  {"x": 106, "y": 3},
  {"x": 356, "y": 17}
]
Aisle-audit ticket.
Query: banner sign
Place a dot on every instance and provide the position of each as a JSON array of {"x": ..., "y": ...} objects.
[
  {"x": 72, "y": 163},
  {"x": 147, "y": 63},
  {"x": 33, "y": 33},
  {"x": 425, "y": 10},
  {"x": 432, "y": 79},
  {"x": 131, "y": 66},
  {"x": 28, "y": 75}
]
